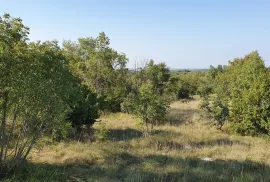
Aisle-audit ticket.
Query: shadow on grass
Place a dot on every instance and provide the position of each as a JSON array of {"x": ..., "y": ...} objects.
[
  {"x": 181, "y": 116},
  {"x": 126, "y": 167},
  {"x": 160, "y": 144},
  {"x": 129, "y": 134},
  {"x": 124, "y": 135},
  {"x": 217, "y": 142},
  {"x": 165, "y": 133}
]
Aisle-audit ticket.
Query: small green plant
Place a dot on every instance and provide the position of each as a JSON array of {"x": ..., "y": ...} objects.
[
  {"x": 62, "y": 131},
  {"x": 147, "y": 105},
  {"x": 217, "y": 110},
  {"x": 101, "y": 131}
]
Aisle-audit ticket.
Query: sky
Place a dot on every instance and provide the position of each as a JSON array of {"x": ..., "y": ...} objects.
[{"x": 183, "y": 33}]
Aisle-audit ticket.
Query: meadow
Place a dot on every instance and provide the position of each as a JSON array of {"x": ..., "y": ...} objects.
[{"x": 186, "y": 149}]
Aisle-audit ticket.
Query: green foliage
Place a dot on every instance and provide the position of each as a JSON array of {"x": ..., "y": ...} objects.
[
  {"x": 179, "y": 88},
  {"x": 184, "y": 90},
  {"x": 101, "y": 131},
  {"x": 159, "y": 75},
  {"x": 243, "y": 86},
  {"x": 248, "y": 91},
  {"x": 147, "y": 99},
  {"x": 185, "y": 84},
  {"x": 208, "y": 83},
  {"x": 99, "y": 67},
  {"x": 61, "y": 131},
  {"x": 35, "y": 87},
  {"x": 85, "y": 112},
  {"x": 147, "y": 105},
  {"x": 217, "y": 110}
]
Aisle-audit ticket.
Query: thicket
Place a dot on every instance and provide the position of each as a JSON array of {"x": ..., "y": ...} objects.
[
  {"x": 241, "y": 95},
  {"x": 57, "y": 92},
  {"x": 36, "y": 88}
]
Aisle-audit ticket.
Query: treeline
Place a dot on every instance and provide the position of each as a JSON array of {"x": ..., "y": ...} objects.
[{"x": 55, "y": 91}]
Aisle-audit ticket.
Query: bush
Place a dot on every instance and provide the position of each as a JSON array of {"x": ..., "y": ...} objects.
[
  {"x": 217, "y": 110},
  {"x": 245, "y": 86},
  {"x": 101, "y": 131},
  {"x": 85, "y": 112},
  {"x": 147, "y": 105},
  {"x": 62, "y": 131}
]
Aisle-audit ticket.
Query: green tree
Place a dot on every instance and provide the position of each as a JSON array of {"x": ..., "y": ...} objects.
[
  {"x": 146, "y": 98},
  {"x": 243, "y": 86},
  {"x": 147, "y": 105},
  {"x": 99, "y": 67},
  {"x": 159, "y": 75},
  {"x": 35, "y": 88},
  {"x": 248, "y": 92},
  {"x": 208, "y": 83}
]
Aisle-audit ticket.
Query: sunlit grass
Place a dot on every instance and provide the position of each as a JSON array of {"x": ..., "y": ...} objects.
[{"x": 174, "y": 152}]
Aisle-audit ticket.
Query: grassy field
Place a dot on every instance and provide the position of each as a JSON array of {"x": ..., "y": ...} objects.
[{"x": 187, "y": 149}]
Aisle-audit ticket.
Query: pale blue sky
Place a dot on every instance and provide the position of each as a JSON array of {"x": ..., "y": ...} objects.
[{"x": 184, "y": 34}]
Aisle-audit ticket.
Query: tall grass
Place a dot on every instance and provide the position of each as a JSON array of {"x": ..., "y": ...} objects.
[{"x": 186, "y": 149}]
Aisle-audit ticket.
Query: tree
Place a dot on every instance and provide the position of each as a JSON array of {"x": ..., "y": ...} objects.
[
  {"x": 99, "y": 67},
  {"x": 35, "y": 88},
  {"x": 208, "y": 81},
  {"x": 159, "y": 75},
  {"x": 184, "y": 84},
  {"x": 179, "y": 88},
  {"x": 147, "y": 105},
  {"x": 243, "y": 87},
  {"x": 146, "y": 99},
  {"x": 247, "y": 88}
]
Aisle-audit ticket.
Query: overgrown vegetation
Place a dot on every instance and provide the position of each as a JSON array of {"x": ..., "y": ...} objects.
[
  {"x": 241, "y": 95},
  {"x": 35, "y": 85},
  {"x": 69, "y": 93},
  {"x": 188, "y": 149},
  {"x": 45, "y": 90}
]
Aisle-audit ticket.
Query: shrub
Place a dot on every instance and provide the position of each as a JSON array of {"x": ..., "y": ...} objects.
[
  {"x": 84, "y": 112},
  {"x": 217, "y": 110},
  {"x": 245, "y": 86}
]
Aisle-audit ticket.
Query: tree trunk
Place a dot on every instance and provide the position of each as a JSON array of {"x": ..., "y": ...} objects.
[
  {"x": 146, "y": 125},
  {"x": 152, "y": 125},
  {"x": 33, "y": 141},
  {"x": 11, "y": 132},
  {"x": 3, "y": 124}
]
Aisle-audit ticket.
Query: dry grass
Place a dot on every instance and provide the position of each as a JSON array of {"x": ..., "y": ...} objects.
[{"x": 174, "y": 152}]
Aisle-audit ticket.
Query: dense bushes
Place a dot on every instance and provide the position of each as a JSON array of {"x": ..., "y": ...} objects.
[
  {"x": 48, "y": 90},
  {"x": 35, "y": 85},
  {"x": 84, "y": 112},
  {"x": 99, "y": 67},
  {"x": 184, "y": 84},
  {"x": 243, "y": 86}
]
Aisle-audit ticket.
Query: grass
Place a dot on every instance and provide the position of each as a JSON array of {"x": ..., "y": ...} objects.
[{"x": 186, "y": 149}]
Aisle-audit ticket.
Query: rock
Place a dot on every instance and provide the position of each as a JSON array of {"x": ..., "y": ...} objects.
[{"x": 207, "y": 159}]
